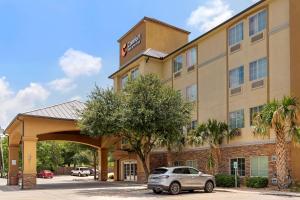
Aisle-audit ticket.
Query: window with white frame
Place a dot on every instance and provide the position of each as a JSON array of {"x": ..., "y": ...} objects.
[
  {"x": 259, "y": 166},
  {"x": 178, "y": 163},
  {"x": 236, "y": 77},
  {"x": 191, "y": 93},
  {"x": 177, "y": 64},
  {"x": 192, "y": 163},
  {"x": 135, "y": 73},
  {"x": 258, "y": 69},
  {"x": 236, "y": 119},
  {"x": 191, "y": 57},
  {"x": 236, "y": 34},
  {"x": 241, "y": 168},
  {"x": 124, "y": 81},
  {"x": 254, "y": 111},
  {"x": 257, "y": 23},
  {"x": 192, "y": 125}
]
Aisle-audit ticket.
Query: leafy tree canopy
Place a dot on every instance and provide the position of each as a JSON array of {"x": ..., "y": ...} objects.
[{"x": 144, "y": 112}]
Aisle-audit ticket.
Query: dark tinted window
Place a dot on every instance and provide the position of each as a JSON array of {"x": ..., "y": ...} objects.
[
  {"x": 159, "y": 171},
  {"x": 193, "y": 171},
  {"x": 181, "y": 171},
  {"x": 241, "y": 166}
]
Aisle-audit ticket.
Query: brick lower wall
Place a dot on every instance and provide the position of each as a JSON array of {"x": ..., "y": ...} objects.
[
  {"x": 29, "y": 181},
  {"x": 159, "y": 159}
]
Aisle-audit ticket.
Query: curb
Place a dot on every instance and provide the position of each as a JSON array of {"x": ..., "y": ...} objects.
[{"x": 275, "y": 193}]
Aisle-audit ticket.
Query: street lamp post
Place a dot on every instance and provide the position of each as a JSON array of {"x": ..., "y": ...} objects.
[{"x": 1, "y": 149}]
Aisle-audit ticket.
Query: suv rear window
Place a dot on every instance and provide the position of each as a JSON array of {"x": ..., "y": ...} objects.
[{"x": 159, "y": 171}]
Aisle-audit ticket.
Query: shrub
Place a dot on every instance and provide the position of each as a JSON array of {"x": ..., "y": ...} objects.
[
  {"x": 225, "y": 180},
  {"x": 257, "y": 182}
]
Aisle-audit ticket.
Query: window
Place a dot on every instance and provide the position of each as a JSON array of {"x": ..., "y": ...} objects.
[
  {"x": 241, "y": 166},
  {"x": 177, "y": 65},
  {"x": 181, "y": 171},
  {"x": 191, "y": 93},
  {"x": 236, "y": 77},
  {"x": 178, "y": 163},
  {"x": 259, "y": 166},
  {"x": 124, "y": 141},
  {"x": 124, "y": 81},
  {"x": 236, "y": 119},
  {"x": 257, "y": 23},
  {"x": 192, "y": 163},
  {"x": 192, "y": 126},
  {"x": 191, "y": 57},
  {"x": 258, "y": 69},
  {"x": 193, "y": 171},
  {"x": 236, "y": 34},
  {"x": 159, "y": 171},
  {"x": 134, "y": 73},
  {"x": 253, "y": 112}
]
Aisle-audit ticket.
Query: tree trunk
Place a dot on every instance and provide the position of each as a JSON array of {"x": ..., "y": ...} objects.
[
  {"x": 216, "y": 159},
  {"x": 145, "y": 167},
  {"x": 169, "y": 157},
  {"x": 281, "y": 162}
]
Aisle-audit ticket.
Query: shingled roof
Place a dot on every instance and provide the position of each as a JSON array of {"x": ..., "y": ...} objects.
[{"x": 68, "y": 110}]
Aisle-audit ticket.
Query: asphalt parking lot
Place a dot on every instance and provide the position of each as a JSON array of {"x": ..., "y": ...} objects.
[{"x": 77, "y": 188}]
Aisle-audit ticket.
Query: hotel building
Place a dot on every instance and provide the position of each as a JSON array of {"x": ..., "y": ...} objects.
[{"x": 229, "y": 73}]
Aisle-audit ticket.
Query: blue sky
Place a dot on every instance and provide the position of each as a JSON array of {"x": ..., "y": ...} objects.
[{"x": 42, "y": 42}]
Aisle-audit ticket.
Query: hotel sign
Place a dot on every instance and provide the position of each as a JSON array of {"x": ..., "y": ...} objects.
[{"x": 131, "y": 45}]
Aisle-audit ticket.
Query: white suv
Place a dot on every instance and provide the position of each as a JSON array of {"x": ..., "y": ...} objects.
[
  {"x": 80, "y": 171},
  {"x": 177, "y": 179}
]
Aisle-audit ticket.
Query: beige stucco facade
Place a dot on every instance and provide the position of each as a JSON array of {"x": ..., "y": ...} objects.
[{"x": 278, "y": 42}]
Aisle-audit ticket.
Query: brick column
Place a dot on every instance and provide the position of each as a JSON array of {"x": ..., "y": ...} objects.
[
  {"x": 29, "y": 163},
  {"x": 13, "y": 164},
  {"x": 103, "y": 164},
  {"x": 116, "y": 170}
]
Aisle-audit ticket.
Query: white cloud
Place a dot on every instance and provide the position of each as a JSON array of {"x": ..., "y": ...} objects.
[
  {"x": 208, "y": 16},
  {"x": 24, "y": 100},
  {"x": 63, "y": 84},
  {"x": 76, "y": 63}
]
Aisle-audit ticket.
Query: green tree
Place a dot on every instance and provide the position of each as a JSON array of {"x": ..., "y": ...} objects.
[
  {"x": 281, "y": 117},
  {"x": 49, "y": 155},
  {"x": 143, "y": 113},
  {"x": 212, "y": 133},
  {"x": 5, "y": 154}
]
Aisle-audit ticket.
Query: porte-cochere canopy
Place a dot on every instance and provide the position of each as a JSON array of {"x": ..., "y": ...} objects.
[{"x": 58, "y": 122}]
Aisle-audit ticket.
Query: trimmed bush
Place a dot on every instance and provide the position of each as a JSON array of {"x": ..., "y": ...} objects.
[
  {"x": 225, "y": 180},
  {"x": 257, "y": 182}
]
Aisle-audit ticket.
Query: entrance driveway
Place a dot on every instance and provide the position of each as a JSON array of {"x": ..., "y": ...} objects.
[{"x": 77, "y": 188}]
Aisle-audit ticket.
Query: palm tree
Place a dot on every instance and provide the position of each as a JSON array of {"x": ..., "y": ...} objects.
[
  {"x": 281, "y": 117},
  {"x": 213, "y": 133}
]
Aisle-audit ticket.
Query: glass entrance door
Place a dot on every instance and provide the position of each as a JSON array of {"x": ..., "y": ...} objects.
[{"x": 130, "y": 171}]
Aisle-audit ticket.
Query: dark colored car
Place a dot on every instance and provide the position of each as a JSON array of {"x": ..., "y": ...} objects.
[{"x": 45, "y": 174}]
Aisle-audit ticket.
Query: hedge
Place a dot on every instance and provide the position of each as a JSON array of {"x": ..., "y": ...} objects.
[
  {"x": 257, "y": 182},
  {"x": 225, "y": 180}
]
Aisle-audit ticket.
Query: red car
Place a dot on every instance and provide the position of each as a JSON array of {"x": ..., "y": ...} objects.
[{"x": 45, "y": 174}]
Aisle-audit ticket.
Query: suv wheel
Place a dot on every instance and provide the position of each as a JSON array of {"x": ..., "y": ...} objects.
[
  {"x": 174, "y": 188},
  {"x": 157, "y": 191},
  {"x": 209, "y": 187}
]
